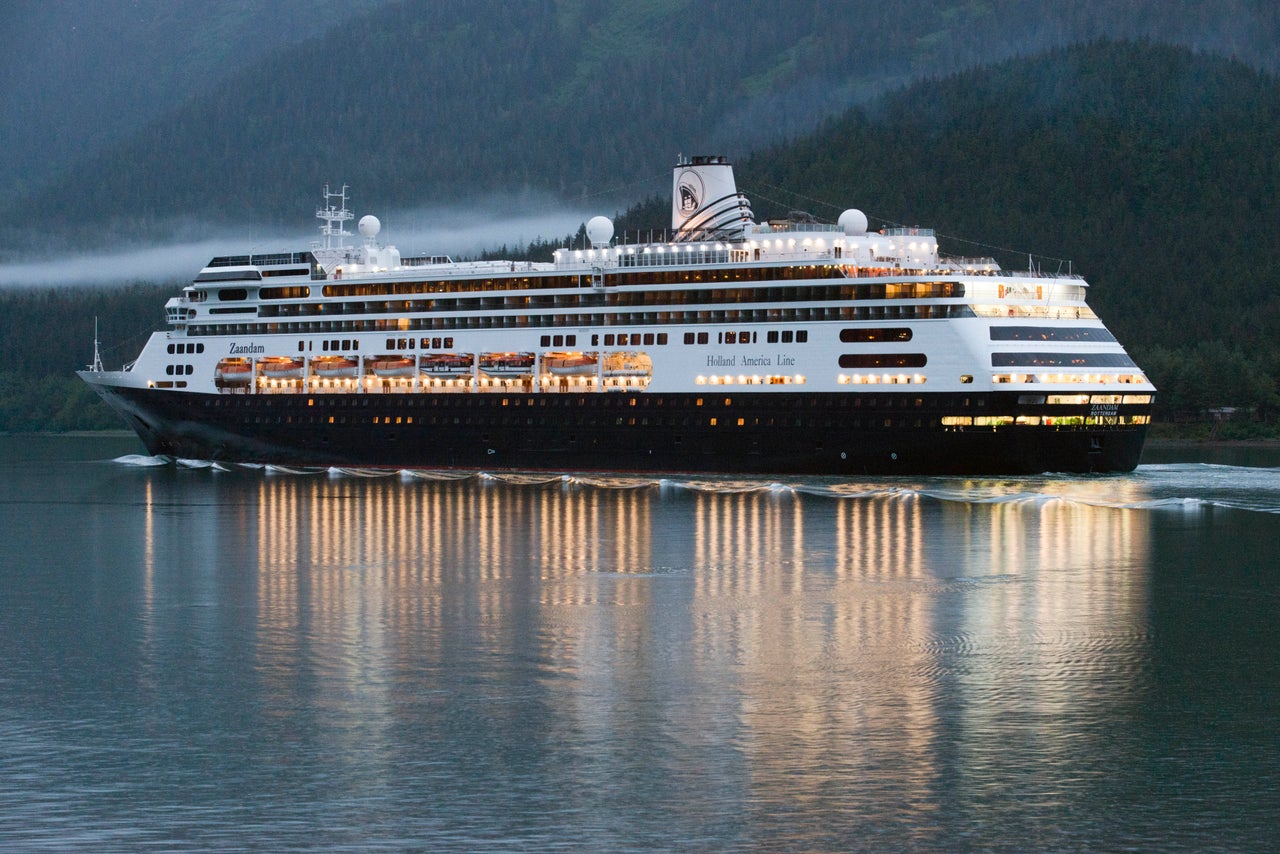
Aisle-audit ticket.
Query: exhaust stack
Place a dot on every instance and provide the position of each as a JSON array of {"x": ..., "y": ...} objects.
[{"x": 705, "y": 202}]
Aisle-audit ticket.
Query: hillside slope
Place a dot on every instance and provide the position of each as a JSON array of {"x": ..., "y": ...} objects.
[
  {"x": 1153, "y": 169},
  {"x": 451, "y": 100},
  {"x": 77, "y": 77}
]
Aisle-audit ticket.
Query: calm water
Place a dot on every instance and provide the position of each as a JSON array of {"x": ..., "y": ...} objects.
[{"x": 193, "y": 658}]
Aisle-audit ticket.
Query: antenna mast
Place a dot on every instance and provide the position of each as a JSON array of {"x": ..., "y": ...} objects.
[
  {"x": 332, "y": 215},
  {"x": 97, "y": 354}
]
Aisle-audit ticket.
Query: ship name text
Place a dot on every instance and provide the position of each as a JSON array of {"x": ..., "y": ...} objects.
[
  {"x": 247, "y": 349},
  {"x": 758, "y": 361}
]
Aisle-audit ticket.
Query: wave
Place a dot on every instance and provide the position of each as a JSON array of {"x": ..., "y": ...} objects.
[
  {"x": 1175, "y": 487},
  {"x": 142, "y": 461}
]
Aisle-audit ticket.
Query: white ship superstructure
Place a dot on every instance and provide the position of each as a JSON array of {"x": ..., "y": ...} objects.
[{"x": 785, "y": 346}]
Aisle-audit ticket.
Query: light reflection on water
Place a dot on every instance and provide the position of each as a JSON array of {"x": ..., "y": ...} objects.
[{"x": 301, "y": 659}]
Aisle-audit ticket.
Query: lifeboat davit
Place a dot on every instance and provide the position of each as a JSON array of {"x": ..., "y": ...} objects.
[
  {"x": 392, "y": 367},
  {"x": 334, "y": 367},
  {"x": 236, "y": 371}
]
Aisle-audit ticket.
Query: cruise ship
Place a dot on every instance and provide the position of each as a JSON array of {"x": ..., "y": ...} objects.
[{"x": 730, "y": 345}]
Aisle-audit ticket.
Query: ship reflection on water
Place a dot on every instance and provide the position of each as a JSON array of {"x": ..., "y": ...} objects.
[{"x": 868, "y": 656}]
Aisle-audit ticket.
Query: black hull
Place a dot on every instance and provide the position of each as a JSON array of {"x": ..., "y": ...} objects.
[{"x": 818, "y": 434}]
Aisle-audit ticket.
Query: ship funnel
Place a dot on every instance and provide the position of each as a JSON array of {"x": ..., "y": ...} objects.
[{"x": 705, "y": 202}]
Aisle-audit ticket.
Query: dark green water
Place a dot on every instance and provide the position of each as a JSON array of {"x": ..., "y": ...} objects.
[{"x": 201, "y": 659}]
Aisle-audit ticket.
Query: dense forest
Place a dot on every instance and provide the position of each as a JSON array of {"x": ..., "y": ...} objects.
[
  {"x": 450, "y": 100},
  {"x": 78, "y": 77},
  {"x": 1153, "y": 169}
]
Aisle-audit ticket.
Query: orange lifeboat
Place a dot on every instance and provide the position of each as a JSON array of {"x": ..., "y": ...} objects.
[
  {"x": 233, "y": 372},
  {"x": 281, "y": 368},
  {"x": 393, "y": 366},
  {"x": 570, "y": 364},
  {"x": 332, "y": 367}
]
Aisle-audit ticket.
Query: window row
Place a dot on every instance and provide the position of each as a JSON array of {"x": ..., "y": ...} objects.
[
  {"x": 1051, "y": 333},
  {"x": 437, "y": 343},
  {"x": 1061, "y": 360},
  {"x": 883, "y": 360},
  {"x": 524, "y": 321},
  {"x": 594, "y": 298}
]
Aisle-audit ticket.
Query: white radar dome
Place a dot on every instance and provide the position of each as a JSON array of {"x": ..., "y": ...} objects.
[
  {"x": 854, "y": 222},
  {"x": 599, "y": 230},
  {"x": 370, "y": 225}
]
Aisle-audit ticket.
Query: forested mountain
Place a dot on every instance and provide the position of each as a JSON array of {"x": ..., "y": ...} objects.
[
  {"x": 1152, "y": 168},
  {"x": 77, "y": 77},
  {"x": 448, "y": 100}
]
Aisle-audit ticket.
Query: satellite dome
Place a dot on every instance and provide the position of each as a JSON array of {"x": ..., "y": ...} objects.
[
  {"x": 599, "y": 230},
  {"x": 854, "y": 222},
  {"x": 369, "y": 226}
]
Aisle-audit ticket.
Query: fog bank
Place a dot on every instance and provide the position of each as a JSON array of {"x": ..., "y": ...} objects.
[{"x": 425, "y": 231}]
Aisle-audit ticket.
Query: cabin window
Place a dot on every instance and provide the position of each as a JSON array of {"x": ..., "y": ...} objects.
[
  {"x": 689, "y": 338},
  {"x": 545, "y": 341},
  {"x": 883, "y": 360},
  {"x": 662, "y": 338},
  {"x": 771, "y": 337},
  {"x": 557, "y": 341},
  {"x": 786, "y": 336},
  {"x": 702, "y": 338},
  {"x": 894, "y": 333}
]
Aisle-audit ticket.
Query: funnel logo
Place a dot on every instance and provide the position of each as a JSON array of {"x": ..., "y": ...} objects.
[{"x": 691, "y": 191}]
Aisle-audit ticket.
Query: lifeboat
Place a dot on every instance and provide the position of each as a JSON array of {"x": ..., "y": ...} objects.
[
  {"x": 447, "y": 365},
  {"x": 334, "y": 367},
  {"x": 233, "y": 371},
  {"x": 570, "y": 364},
  {"x": 628, "y": 365},
  {"x": 281, "y": 368},
  {"x": 392, "y": 366},
  {"x": 506, "y": 364}
]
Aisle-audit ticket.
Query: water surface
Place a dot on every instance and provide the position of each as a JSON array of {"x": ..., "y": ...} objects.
[{"x": 194, "y": 657}]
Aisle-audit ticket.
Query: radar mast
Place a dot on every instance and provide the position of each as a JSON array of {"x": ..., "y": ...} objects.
[{"x": 333, "y": 218}]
